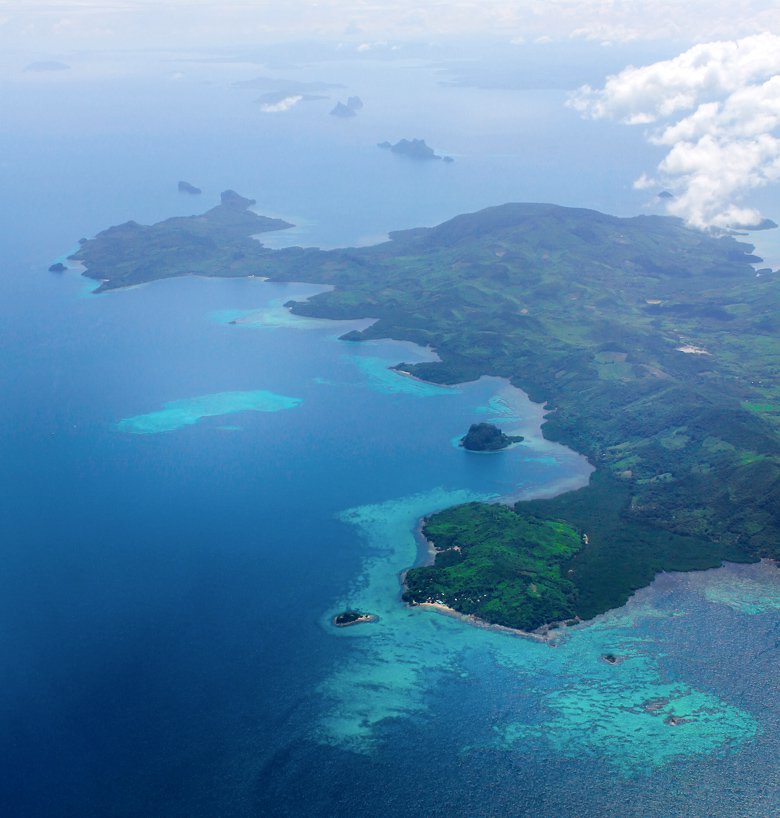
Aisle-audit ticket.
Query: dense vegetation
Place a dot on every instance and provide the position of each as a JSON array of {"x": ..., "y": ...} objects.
[
  {"x": 353, "y": 617},
  {"x": 486, "y": 437},
  {"x": 498, "y": 565},
  {"x": 655, "y": 345}
]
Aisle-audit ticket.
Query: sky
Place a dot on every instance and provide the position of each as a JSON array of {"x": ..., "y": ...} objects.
[
  {"x": 714, "y": 109},
  {"x": 191, "y": 23}
]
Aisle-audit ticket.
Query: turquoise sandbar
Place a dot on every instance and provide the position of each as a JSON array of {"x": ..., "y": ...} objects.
[{"x": 187, "y": 411}]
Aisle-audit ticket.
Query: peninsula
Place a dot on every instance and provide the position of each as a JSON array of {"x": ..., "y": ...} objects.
[
  {"x": 218, "y": 243},
  {"x": 653, "y": 345}
]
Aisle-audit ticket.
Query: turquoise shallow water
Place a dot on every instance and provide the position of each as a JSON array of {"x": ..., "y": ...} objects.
[
  {"x": 622, "y": 713},
  {"x": 187, "y": 411},
  {"x": 165, "y": 600},
  {"x": 631, "y": 715}
]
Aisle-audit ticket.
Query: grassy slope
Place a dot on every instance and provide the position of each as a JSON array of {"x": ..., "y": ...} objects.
[{"x": 586, "y": 312}]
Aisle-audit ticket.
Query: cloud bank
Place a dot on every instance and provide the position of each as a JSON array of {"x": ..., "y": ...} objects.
[{"x": 716, "y": 108}]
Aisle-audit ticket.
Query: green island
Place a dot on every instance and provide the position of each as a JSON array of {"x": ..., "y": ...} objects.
[
  {"x": 486, "y": 437},
  {"x": 654, "y": 346}
]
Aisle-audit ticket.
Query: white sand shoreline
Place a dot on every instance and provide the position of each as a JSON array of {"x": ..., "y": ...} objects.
[{"x": 546, "y": 633}]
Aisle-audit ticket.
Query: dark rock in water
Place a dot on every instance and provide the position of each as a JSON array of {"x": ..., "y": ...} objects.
[
  {"x": 59, "y": 267},
  {"x": 186, "y": 187},
  {"x": 352, "y": 106},
  {"x": 485, "y": 437},
  {"x": 230, "y": 198},
  {"x": 346, "y": 617},
  {"x": 83, "y": 241},
  {"x": 414, "y": 149},
  {"x": 353, "y": 617},
  {"x": 343, "y": 111}
]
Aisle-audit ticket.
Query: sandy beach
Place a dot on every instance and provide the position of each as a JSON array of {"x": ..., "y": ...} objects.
[{"x": 547, "y": 633}]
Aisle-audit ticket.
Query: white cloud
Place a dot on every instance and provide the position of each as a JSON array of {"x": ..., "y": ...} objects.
[
  {"x": 281, "y": 106},
  {"x": 644, "y": 182},
  {"x": 716, "y": 108}
]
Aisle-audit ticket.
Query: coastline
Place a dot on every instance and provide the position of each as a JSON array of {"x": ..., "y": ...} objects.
[
  {"x": 515, "y": 444},
  {"x": 550, "y": 632},
  {"x": 546, "y": 633},
  {"x": 404, "y": 374},
  {"x": 424, "y": 545}
]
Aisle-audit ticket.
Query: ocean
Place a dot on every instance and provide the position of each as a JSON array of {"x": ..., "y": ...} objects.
[{"x": 186, "y": 502}]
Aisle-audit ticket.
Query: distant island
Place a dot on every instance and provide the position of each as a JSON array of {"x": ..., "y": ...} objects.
[
  {"x": 414, "y": 149},
  {"x": 653, "y": 345},
  {"x": 57, "y": 267},
  {"x": 348, "y": 109},
  {"x": 486, "y": 437},
  {"x": 353, "y": 617},
  {"x": 186, "y": 187}
]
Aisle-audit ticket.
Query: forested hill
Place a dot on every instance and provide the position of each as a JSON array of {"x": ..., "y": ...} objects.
[{"x": 657, "y": 347}]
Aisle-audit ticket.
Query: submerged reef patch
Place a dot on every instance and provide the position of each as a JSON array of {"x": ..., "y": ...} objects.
[{"x": 187, "y": 411}]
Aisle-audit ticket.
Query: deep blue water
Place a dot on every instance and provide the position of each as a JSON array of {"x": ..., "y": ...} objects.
[{"x": 164, "y": 598}]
